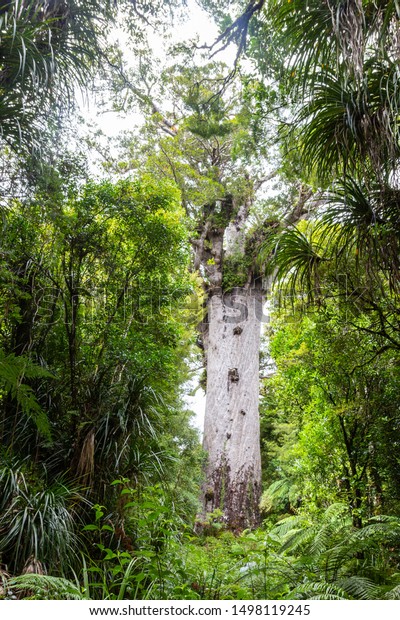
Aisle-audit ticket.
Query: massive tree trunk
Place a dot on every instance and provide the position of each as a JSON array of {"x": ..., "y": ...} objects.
[
  {"x": 231, "y": 337},
  {"x": 231, "y": 428}
]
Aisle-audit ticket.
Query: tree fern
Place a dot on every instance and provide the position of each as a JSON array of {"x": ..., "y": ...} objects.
[
  {"x": 350, "y": 562},
  {"x": 318, "y": 590},
  {"x": 393, "y": 594}
]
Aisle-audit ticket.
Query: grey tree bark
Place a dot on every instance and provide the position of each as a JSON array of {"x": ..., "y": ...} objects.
[
  {"x": 231, "y": 338},
  {"x": 232, "y": 427}
]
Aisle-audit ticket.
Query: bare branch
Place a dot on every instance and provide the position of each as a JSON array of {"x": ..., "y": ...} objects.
[
  {"x": 165, "y": 124},
  {"x": 260, "y": 182},
  {"x": 237, "y": 32},
  {"x": 298, "y": 210},
  {"x": 139, "y": 14}
]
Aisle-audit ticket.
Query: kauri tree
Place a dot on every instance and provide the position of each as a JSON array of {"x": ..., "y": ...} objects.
[{"x": 209, "y": 150}]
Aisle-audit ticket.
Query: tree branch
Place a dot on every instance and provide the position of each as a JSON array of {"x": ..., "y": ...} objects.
[
  {"x": 237, "y": 32},
  {"x": 165, "y": 124}
]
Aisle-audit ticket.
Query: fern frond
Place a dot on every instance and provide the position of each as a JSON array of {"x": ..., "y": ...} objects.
[
  {"x": 14, "y": 370},
  {"x": 45, "y": 587},
  {"x": 319, "y": 590},
  {"x": 393, "y": 594},
  {"x": 359, "y": 588}
]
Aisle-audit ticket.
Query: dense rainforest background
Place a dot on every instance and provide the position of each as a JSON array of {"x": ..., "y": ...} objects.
[{"x": 242, "y": 233}]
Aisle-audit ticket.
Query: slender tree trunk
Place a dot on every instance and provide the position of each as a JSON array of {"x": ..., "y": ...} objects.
[{"x": 231, "y": 429}]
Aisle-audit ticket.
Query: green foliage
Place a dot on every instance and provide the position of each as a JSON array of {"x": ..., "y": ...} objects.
[
  {"x": 338, "y": 67},
  {"x": 38, "y": 518},
  {"x": 330, "y": 395},
  {"x": 141, "y": 557},
  {"x": 45, "y": 587},
  {"x": 298, "y": 258},
  {"x": 236, "y": 270},
  {"x": 46, "y": 50},
  {"x": 14, "y": 372},
  {"x": 93, "y": 292},
  {"x": 94, "y": 288},
  {"x": 336, "y": 560}
]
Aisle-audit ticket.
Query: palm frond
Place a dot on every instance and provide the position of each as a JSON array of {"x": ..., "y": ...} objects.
[
  {"x": 360, "y": 224},
  {"x": 307, "y": 32},
  {"x": 46, "y": 50},
  {"x": 297, "y": 260},
  {"x": 344, "y": 83}
]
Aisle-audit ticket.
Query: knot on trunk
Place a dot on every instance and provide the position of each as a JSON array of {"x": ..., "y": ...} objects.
[
  {"x": 233, "y": 375},
  {"x": 209, "y": 495},
  {"x": 237, "y": 330}
]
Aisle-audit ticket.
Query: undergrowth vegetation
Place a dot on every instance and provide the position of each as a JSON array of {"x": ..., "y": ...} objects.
[{"x": 298, "y": 558}]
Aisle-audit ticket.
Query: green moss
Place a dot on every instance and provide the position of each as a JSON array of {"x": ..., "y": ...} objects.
[
  {"x": 203, "y": 380},
  {"x": 236, "y": 271}
]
